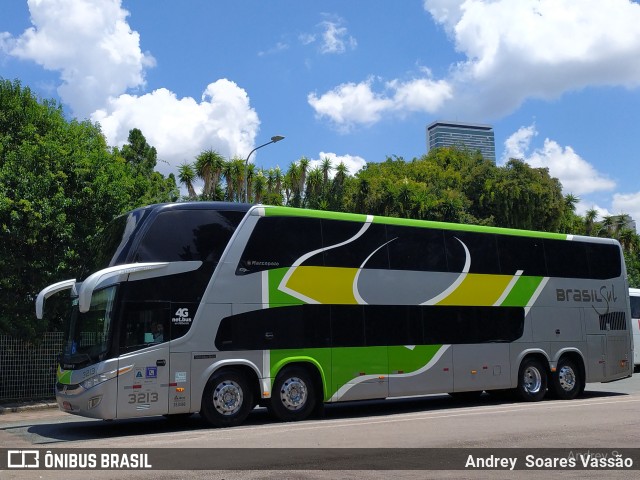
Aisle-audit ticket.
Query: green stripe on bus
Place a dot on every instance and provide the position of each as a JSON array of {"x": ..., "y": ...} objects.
[
  {"x": 406, "y": 222},
  {"x": 342, "y": 365},
  {"x": 303, "y": 212},
  {"x": 522, "y": 292},
  {"x": 276, "y": 296}
]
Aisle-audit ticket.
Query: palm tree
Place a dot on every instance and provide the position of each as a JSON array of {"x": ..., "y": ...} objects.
[
  {"x": 326, "y": 168},
  {"x": 208, "y": 165},
  {"x": 186, "y": 175},
  {"x": 629, "y": 240},
  {"x": 303, "y": 167},
  {"x": 278, "y": 179},
  {"x": 237, "y": 177},
  {"x": 227, "y": 173},
  {"x": 606, "y": 226},
  {"x": 620, "y": 222},
  {"x": 217, "y": 164},
  {"x": 570, "y": 201},
  {"x": 313, "y": 188},
  {"x": 292, "y": 181},
  {"x": 251, "y": 168},
  {"x": 337, "y": 187},
  {"x": 589, "y": 220},
  {"x": 259, "y": 184},
  {"x": 341, "y": 173}
]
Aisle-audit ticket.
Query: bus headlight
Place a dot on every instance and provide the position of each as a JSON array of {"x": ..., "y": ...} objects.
[{"x": 98, "y": 379}]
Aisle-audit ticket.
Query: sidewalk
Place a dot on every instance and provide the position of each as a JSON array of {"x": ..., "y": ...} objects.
[{"x": 14, "y": 407}]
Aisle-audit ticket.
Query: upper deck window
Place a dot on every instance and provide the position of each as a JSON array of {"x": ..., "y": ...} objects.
[{"x": 185, "y": 235}]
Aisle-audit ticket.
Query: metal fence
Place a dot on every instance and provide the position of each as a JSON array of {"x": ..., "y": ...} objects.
[{"x": 28, "y": 369}]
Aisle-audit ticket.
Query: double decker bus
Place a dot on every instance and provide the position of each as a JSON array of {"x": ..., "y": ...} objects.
[{"x": 216, "y": 308}]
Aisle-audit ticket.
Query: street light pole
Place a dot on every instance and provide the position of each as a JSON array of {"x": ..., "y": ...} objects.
[{"x": 274, "y": 139}]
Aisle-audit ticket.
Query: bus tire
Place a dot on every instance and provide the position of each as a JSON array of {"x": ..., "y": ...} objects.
[
  {"x": 532, "y": 380},
  {"x": 227, "y": 399},
  {"x": 293, "y": 397},
  {"x": 567, "y": 380}
]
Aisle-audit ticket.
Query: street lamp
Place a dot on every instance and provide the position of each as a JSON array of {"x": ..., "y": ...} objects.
[{"x": 274, "y": 139}]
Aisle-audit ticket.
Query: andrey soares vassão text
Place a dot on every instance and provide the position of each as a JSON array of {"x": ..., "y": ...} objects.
[{"x": 586, "y": 460}]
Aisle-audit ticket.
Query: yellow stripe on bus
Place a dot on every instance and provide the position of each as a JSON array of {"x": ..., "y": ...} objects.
[{"x": 478, "y": 289}]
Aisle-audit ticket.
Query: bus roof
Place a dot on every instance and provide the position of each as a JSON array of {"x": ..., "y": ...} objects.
[{"x": 298, "y": 212}]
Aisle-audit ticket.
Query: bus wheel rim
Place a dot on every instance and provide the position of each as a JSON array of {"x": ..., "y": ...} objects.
[
  {"x": 567, "y": 378},
  {"x": 227, "y": 397},
  {"x": 532, "y": 380},
  {"x": 293, "y": 393}
]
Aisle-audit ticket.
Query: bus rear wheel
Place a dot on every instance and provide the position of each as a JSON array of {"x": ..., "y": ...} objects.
[
  {"x": 567, "y": 380},
  {"x": 532, "y": 380},
  {"x": 227, "y": 399},
  {"x": 293, "y": 397}
]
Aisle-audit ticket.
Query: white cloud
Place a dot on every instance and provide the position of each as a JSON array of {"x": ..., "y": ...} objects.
[
  {"x": 419, "y": 95},
  {"x": 90, "y": 43},
  {"x": 514, "y": 50},
  {"x": 279, "y": 47},
  {"x": 306, "y": 38},
  {"x": 628, "y": 203},
  {"x": 352, "y": 104},
  {"x": 100, "y": 62},
  {"x": 577, "y": 175},
  {"x": 353, "y": 162},
  {"x": 517, "y": 49},
  {"x": 583, "y": 206},
  {"x": 180, "y": 128},
  {"x": 335, "y": 38},
  {"x": 517, "y": 144}
]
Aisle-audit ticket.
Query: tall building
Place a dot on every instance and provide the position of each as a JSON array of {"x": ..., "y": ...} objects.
[{"x": 473, "y": 136}]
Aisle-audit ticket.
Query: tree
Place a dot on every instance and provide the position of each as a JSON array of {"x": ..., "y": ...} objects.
[
  {"x": 589, "y": 221},
  {"x": 209, "y": 165},
  {"x": 141, "y": 156},
  {"x": 259, "y": 186},
  {"x": 520, "y": 196},
  {"x": 59, "y": 186},
  {"x": 187, "y": 175}
]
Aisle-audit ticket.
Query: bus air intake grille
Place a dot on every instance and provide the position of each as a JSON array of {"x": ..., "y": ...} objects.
[{"x": 613, "y": 321}]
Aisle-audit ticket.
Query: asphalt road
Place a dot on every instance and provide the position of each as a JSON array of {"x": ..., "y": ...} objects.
[{"x": 606, "y": 417}]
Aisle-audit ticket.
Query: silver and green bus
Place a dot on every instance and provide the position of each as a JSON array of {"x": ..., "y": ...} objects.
[{"x": 217, "y": 308}]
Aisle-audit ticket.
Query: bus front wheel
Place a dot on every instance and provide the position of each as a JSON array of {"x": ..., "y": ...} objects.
[
  {"x": 532, "y": 380},
  {"x": 293, "y": 397},
  {"x": 567, "y": 380},
  {"x": 227, "y": 399}
]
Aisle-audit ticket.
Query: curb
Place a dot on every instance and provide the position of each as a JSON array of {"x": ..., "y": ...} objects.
[{"x": 25, "y": 407}]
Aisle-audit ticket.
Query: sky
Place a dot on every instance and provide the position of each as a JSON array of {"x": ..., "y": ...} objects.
[{"x": 356, "y": 81}]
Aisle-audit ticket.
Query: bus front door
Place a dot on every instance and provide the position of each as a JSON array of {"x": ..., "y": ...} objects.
[{"x": 143, "y": 385}]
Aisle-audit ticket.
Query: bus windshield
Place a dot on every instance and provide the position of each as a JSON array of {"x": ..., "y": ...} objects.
[
  {"x": 111, "y": 246},
  {"x": 87, "y": 334}
]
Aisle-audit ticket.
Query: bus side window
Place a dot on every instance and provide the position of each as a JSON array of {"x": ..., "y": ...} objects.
[
  {"x": 367, "y": 250},
  {"x": 566, "y": 259},
  {"x": 419, "y": 249},
  {"x": 277, "y": 242},
  {"x": 482, "y": 247},
  {"x": 145, "y": 323},
  {"x": 635, "y": 307},
  {"x": 521, "y": 253}
]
